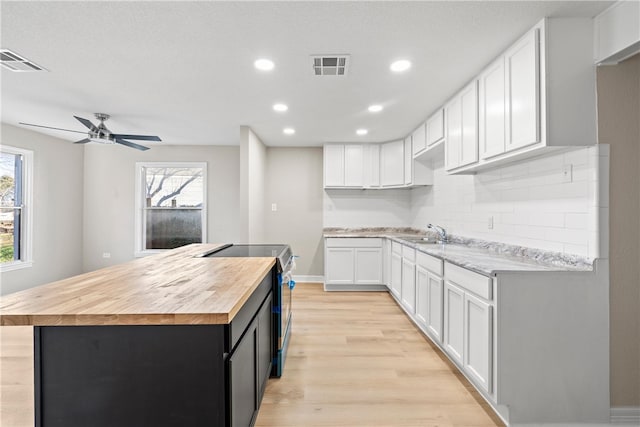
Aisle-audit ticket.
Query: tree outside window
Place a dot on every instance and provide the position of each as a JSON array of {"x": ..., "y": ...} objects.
[{"x": 172, "y": 200}]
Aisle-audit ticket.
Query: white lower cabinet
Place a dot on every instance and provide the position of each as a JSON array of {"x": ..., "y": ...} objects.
[
  {"x": 340, "y": 265},
  {"x": 435, "y": 288},
  {"x": 422, "y": 295},
  {"x": 453, "y": 338},
  {"x": 408, "y": 293},
  {"x": 396, "y": 274},
  {"x": 368, "y": 266},
  {"x": 478, "y": 325},
  {"x": 353, "y": 263}
]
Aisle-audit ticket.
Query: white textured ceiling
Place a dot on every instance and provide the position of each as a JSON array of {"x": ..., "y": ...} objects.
[{"x": 183, "y": 70}]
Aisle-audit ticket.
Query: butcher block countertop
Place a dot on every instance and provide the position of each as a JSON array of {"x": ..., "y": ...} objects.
[{"x": 168, "y": 288}]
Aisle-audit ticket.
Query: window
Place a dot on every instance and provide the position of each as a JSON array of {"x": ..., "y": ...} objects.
[
  {"x": 15, "y": 208},
  {"x": 170, "y": 205}
]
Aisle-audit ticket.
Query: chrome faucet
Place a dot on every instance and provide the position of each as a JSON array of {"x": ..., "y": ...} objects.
[{"x": 442, "y": 233}]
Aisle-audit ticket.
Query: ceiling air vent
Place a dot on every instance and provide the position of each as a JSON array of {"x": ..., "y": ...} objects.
[
  {"x": 15, "y": 62},
  {"x": 330, "y": 65}
]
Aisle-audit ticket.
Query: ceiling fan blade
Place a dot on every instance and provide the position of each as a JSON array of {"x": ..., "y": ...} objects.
[
  {"x": 88, "y": 124},
  {"x": 49, "y": 127},
  {"x": 137, "y": 137},
  {"x": 83, "y": 141},
  {"x": 131, "y": 144}
]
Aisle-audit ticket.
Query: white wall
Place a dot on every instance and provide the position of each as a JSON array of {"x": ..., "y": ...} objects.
[
  {"x": 57, "y": 213},
  {"x": 109, "y": 196},
  {"x": 530, "y": 202},
  {"x": 367, "y": 208},
  {"x": 253, "y": 158},
  {"x": 294, "y": 184}
]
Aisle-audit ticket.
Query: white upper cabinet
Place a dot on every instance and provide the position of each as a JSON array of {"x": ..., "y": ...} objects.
[
  {"x": 462, "y": 128},
  {"x": 353, "y": 161},
  {"x": 408, "y": 161},
  {"x": 418, "y": 139},
  {"x": 435, "y": 127},
  {"x": 539, "y": 93},
  {"x": 523, "y": 92},
  {"x": 392, "y": 163},
  {"x": 343, "y": 165},
  {"x": 492, "y": 110},
  {"x": 334, "y": 165},
  {"x": 372, "y": 165}
]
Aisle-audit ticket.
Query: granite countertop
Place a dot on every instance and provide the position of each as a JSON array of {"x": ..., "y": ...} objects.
[
  {"x": 174, "y": 287},
  {"x": 484, "y": 257}
]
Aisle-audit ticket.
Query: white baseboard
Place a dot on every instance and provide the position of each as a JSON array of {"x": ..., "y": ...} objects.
[
  {"x": 308, "y": 279},
  {"x": 629, "y": 415}
]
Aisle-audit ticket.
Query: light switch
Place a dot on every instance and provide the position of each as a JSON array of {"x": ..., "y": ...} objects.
[
  {"x": 274, "y": 207},
  {"x": 106, "y": 255},
  {"x": 490, "y": 223}
]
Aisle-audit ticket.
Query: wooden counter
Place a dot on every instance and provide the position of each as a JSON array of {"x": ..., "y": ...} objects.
[{"x": 171, "y": 288}]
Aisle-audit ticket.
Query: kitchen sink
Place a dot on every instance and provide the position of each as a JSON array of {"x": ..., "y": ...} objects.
[{"x": 420, "y": 240}]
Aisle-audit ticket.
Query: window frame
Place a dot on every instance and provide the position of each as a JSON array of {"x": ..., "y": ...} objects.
[
  {"x": 140, "y": 202},
  {"x": 26, "y": 214}
]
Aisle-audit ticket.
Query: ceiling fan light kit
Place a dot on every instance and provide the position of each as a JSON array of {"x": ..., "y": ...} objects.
[{"x": 102, "y": 135}]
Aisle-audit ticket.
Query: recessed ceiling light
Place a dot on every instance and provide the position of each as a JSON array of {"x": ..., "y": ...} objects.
[
  {"x": 280, "y": 107},
  {"x": 264, "y": 64},
  {"x": 289, "y": 131},
  {"x": 362, "y": 131},
  {"x": 400, "y": 66},
  {"x": 375, "y": 108}
]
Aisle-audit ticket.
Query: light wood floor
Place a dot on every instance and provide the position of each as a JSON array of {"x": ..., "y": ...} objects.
[{"x": 354, "y": 360}]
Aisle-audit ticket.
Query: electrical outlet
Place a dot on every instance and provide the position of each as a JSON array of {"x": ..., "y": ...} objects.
[
  {"x": 106, "y": 254},
  {"x": 567, "y": 173},
  {"x": 490, "y": 223},
  {"x": 274, "y": 207}
]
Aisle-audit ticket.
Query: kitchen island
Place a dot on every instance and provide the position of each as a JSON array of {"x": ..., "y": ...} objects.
[{"x": 167, "y": 340}]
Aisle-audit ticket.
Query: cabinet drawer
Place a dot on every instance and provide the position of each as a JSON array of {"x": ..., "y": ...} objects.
[
  {"x": 354, "y": 242},
  {"x": 473, "y": 282},
  {"x": 430, "y": 263},
  {"x": 409, "y": 253},
  {"x": 396, "y": 248}
]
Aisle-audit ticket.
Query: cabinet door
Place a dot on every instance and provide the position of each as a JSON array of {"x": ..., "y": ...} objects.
[
  {"x": 478, "y": 342},
  {"x": 418, "y": 139},
  {"x": 368, "y": 266},
  {"x": 435, "y": 127},
  {"x": 353, "y": 165},
  {"x": 265, "y": 345},
  {"x": 453, "y": 111},
  {"x": 453, "y": 337},
  {"x": 422, "y": 295},
  {"x": 408, "y": 161},
  {"x": 408, "y": 291},
  {"x": 243, "y": 380},
  {"x": 492, "y": 110},
  {"x": 333, "y": 165},
  {"x": 339, "y": 266},
  {"x": 396, "y": 274},
  {"x": 469, "y": 122},
  {"x": 392, "y": 163},
  {"x": 435, "y": 296},
  {"x": 372, "y": 165},
  {"x": 523, "y": 92}
]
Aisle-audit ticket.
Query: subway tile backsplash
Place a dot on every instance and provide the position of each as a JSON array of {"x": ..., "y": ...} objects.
[{"x": 550, "y": 202}]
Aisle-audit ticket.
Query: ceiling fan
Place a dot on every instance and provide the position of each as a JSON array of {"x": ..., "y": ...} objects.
[{"x": 103, "y": 135}]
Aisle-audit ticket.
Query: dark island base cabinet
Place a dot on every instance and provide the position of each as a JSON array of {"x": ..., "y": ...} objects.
[
  {"x": 155, "y": 375},
  {"x": 249, "y": 368}
]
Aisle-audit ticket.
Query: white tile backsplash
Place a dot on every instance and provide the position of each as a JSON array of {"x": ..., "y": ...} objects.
[{"x": 532, "y": 203}]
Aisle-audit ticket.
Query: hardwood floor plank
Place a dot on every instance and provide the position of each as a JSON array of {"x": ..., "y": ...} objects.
[{"x": 355, "y": 359}]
